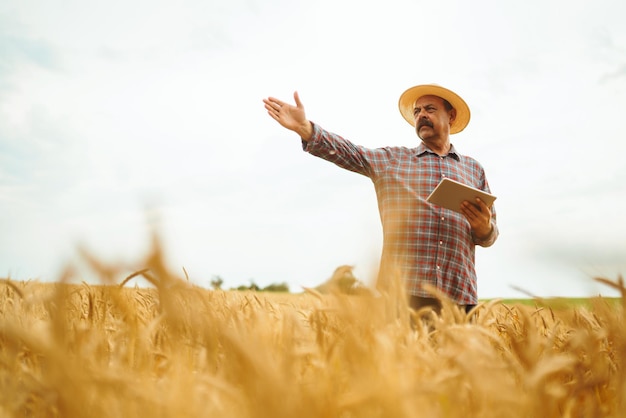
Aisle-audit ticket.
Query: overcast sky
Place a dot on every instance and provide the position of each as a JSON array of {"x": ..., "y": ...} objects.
[{"x": 113, "y": 110}]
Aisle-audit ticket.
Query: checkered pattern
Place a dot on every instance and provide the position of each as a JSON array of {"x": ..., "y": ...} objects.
[{"x": 426, "y": 243}]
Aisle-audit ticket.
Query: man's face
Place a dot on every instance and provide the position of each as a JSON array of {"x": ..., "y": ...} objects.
[{"x": 432, "y": 120}]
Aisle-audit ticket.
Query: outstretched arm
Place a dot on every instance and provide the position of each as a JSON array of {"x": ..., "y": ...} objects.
[{"x": 289, "y": 116}]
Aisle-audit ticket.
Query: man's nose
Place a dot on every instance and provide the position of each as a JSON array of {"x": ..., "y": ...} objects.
[{"x": 420, "y": 115}]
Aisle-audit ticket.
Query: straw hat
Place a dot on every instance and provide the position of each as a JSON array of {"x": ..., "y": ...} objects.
[{"x": 408, "y": 98}]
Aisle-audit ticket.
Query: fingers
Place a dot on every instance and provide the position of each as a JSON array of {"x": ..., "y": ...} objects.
[
  {"x": 296, "y": 98},
  {"x": 273, "y": 103},
  {"x": 273, "y": 106},
  {"x": 479, "y": 207},
  {"x": 483, "y": 206},
  {"x": 290, "y": 116},
  {"x": 477, "y": 214},
  {"x": 472, "y": 211}
]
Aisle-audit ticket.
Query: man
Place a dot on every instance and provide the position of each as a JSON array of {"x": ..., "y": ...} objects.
[{"x": 424, "y": 243}]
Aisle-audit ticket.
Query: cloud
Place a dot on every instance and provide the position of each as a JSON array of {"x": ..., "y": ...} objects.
[
  {"x": 20, "y": 53},
  {"x": 15, "y": 50}
]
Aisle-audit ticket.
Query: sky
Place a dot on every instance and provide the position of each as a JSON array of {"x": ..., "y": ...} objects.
[{"x": 120, "y": 118}]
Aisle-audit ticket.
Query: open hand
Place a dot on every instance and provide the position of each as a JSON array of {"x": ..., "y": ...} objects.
[{"x": 289, "y": 116}]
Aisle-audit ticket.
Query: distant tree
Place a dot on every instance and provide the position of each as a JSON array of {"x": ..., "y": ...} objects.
[
  {"x": 217, "y": 282},
  {"x": 253, "y": 287},
  {"x": 277, "y": 287}
]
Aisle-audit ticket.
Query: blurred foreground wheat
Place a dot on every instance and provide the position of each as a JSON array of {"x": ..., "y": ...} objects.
[{"x": 175, "y": 350}]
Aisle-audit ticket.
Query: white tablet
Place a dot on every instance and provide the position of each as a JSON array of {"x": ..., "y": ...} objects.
[{"x": 450, "y": 194}]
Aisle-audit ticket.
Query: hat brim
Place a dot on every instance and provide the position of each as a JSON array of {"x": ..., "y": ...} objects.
[{"x": 408, "y": 98}]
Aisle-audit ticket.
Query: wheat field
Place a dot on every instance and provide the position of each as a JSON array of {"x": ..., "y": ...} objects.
[{"x": 177, "y": 350}]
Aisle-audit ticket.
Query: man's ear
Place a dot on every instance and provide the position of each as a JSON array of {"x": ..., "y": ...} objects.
[{"x": 452, "y": 114}]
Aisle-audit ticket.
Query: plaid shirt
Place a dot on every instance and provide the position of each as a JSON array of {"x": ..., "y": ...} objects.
[{"x": 424, "y": 242}]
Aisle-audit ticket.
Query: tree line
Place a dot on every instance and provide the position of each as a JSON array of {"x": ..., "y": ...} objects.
[{"x": 217, "y": 282}]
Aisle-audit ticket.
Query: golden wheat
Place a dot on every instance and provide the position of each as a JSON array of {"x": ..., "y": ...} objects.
[{"x": 176, "y": 350}]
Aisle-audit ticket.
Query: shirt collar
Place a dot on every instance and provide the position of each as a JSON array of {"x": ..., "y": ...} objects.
[{"x": 423, "y": 149}]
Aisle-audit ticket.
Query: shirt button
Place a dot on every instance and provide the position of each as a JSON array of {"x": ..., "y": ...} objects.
[
  {"x": 442, "y": 218},
  {"x": 438, "y": 268},
  {"x": 440, "y": 242}
]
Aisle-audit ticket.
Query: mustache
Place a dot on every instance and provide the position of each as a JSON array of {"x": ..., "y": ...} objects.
[{"x": 424, "y": 122}]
